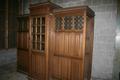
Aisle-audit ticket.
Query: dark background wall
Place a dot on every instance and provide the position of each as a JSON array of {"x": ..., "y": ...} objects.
[
  {"x": 13, "y": 10},
  {"x": 2, "y": 25},
  {"x": 12, "y": 22}
]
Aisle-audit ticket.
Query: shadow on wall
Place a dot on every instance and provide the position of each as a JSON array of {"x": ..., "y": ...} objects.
[{"x": 116, "y": 68}]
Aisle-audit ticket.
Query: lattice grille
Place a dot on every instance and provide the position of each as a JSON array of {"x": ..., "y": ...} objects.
[
  {"x": 68, "y": 22},
  {"x": 78, "y": 22},
  {"x": 58, "y": 23},
  {"x": 38, "y": 33}
]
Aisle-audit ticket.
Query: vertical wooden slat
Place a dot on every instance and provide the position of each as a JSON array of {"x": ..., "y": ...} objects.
[
  {"x": 36, "y": 33},
  {"x": 77, "y": 44},
  {"x": 69, "y": 69},
  {"x": 37, "y": 64},
  {"x": 66, "y": 45},
  {"x": 47, "y": 28},
  {"x": 52, "y": 49},
  {"x": 84, "y": 43},
  {"x": 64, "y": 68},
  {"x": 71, "y": 44},
  {"x": 40, "y": 32},
  {"x": 33, "y": 64},
  {"x": 81, "y": 43},
  {"x": 42, "y": 68},
  {"x": 91, "y": 41},
  {"x": 30, "y": 45}
]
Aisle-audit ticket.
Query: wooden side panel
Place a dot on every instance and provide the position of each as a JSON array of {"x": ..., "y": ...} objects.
[
  {"x": 23, "y": 52},
  {"x": 38, "y": 67},
  {"x": 67, "y": 56},
  {"x": 89, "y": 47},
  {"x": 23, "y": 44},
  {"x": 68, "y": 45}
]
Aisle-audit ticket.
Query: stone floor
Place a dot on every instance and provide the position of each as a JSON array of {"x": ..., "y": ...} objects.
[
  {"x": 8, "y": 66},
  {"x": 8, "y": 72}
]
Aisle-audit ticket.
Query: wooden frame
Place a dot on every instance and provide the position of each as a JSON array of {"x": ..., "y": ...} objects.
[{"x": 68, "y": 50}]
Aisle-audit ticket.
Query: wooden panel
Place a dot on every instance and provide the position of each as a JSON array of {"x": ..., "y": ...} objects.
[
  {"x": 42, "y": 9},
  {"x": 76, "y": 70},
  {"x": 89, "y": 47},
  {"x": 22, "y": 40},
  {"x": 68, "y": 44},
  {"x": 38, "y": 69},
  {"x": 71, "y": 11},
  {"x": 61, "y": 68},
  {"x": 67, "y": 58},
  {"x": 87, "y": 68},
  {"x": 56, "y": 73},
  {"x": 66, "y": 69},
  {"x": 23, "y": 55},
  {"x": 23, "y": 61}
]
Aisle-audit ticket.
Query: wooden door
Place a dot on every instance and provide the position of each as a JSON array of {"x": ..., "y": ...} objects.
[
  {"x": 38, "y": 50},
  {"x": 66, "y": 48}
]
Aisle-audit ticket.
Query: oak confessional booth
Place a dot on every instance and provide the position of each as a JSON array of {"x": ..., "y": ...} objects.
[{"x": 56, "y": 43}]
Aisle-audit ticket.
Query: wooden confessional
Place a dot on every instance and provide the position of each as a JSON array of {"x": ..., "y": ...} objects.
[{"x": 56, "y": 43}]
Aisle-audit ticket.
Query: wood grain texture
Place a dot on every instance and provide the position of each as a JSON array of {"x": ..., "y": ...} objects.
[
  {"x": 68, "y": 52},
  {"x": 23, "y": 45}
]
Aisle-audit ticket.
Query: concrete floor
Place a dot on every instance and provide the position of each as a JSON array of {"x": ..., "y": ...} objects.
[{"x": 8, "y": 66}]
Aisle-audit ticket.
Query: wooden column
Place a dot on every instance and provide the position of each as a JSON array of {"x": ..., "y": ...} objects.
[{"x": 6, "y": 25}]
